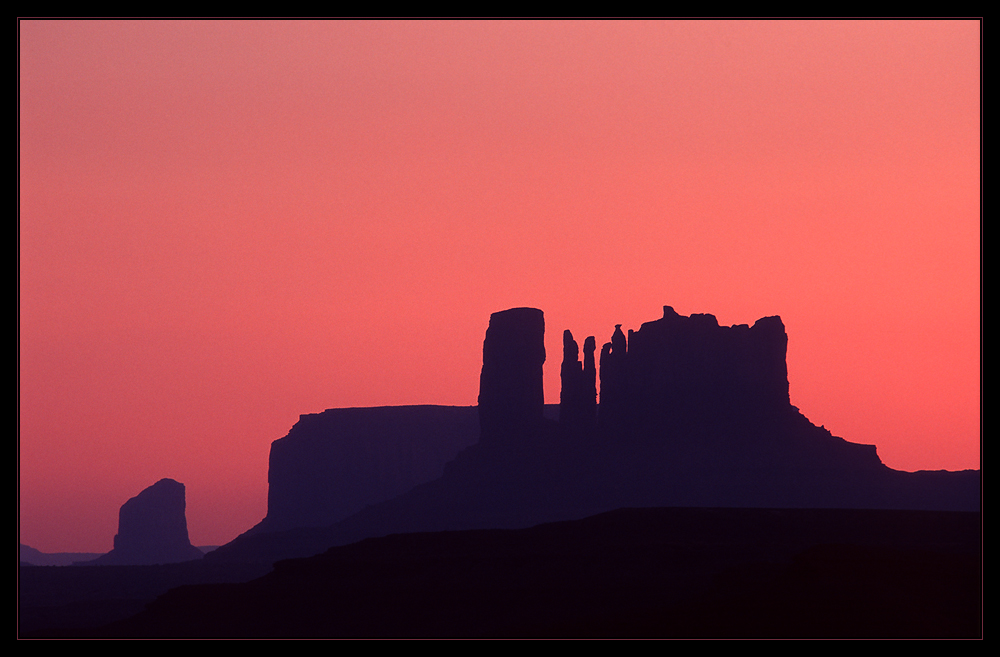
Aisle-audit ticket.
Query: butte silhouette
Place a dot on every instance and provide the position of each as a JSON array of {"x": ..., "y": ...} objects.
[
  {"x": 152, "y": 529},
  {"x": 691, "y": 414}
]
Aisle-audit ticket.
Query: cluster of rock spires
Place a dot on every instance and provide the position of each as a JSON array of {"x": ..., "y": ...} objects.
[
  {"x": 578, "y": 398},
  {"x": 677, "y": 373},
  {"x": 704, "y": 402},
  {"x": 673, "y": 374}
]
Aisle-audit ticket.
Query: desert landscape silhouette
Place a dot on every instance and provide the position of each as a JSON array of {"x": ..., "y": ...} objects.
[
  {"x": 646, "y": 327},
  {"x": 694, "y": 501}
]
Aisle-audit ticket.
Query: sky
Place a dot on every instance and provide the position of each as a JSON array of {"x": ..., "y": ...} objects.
[{"x": 224, "y": 225}]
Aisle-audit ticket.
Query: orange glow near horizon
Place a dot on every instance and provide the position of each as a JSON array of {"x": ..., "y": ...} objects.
[{"x": 224, "y": 225}]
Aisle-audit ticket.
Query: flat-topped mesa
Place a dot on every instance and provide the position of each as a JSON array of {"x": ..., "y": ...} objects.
[
  {"x": 511, "y": 397},
  {"x": 686, "y": 371},
  {"x": 335, "y": 463}
]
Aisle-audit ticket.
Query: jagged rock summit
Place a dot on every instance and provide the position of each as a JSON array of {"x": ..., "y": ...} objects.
[
  {"x": 680, "y": 374},
  {"x": 152, "y": 529}
]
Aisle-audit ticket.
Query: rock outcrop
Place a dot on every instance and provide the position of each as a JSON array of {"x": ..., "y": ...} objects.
[
  {"x": 691, "y": 414},
  {"x": 511, "y": 397},
  {"x": 152, "y": 529},
  {"x": 679, "y": 373},
  {"x": 614, "y": 384},
  {"x": 578, "y": 398},
  {"x": 689, "y": 371},
  {"x": 335, "y": 463}
]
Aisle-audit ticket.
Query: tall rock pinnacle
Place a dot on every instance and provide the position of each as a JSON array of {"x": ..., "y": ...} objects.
[
  {"x": 511, "y": 397},
  {"x": 152, "y": 528},
  {"x": 578, "y": 399},
  {"x": 614, "y": 382},
  {"x": 590, "y": 381}
]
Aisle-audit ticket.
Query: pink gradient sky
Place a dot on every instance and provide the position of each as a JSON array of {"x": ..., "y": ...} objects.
[{"x": 224, "y": 225}]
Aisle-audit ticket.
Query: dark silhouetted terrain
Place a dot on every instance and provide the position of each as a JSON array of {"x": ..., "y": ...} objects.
[
  {"x": 333, "y": 464},
  {"x": 631, "y": 572},
  {"x": 32, "y": 557},
  {"x": 691, "y": 414},
  {"x": 694, "y": 500}
]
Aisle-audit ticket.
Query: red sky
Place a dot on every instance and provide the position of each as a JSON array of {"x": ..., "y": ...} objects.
[{"x": 224, "y": 225}]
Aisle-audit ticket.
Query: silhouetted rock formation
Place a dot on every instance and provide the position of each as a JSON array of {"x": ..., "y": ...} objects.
[
  {"x": 571, "y": 374},
  {"x": 335, "y": 463},
  {"x": 578, "y": 398},
  {"x": 152, "y": 529},
  {"x": 691, "y": 414},
  {"x": 686, "y": 372},
  {"x": 511, "y": 396},
  {"x": 682, "y": 373},
  {"x": 589, "y": 381},
  {"x": 713, "y": 400},
  {"x": 614, "y": 384}
]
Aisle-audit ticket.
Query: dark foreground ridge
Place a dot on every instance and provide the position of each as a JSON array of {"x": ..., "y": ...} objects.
[{"x": 627, "y": 573}]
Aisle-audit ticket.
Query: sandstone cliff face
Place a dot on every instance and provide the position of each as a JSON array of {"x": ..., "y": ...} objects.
[{"x": 152, "y": 528}]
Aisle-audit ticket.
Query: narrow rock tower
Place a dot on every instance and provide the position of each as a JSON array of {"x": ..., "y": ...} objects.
[
  {"x": 511, "y": 397},
  {"x": 152, "y": 528},
  {"x": 578, "y": 398}
]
